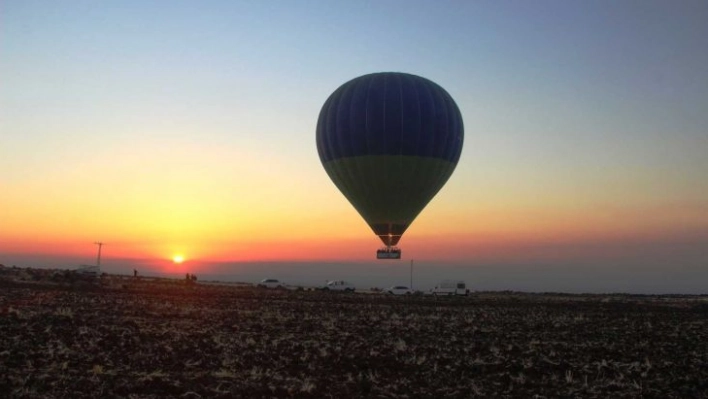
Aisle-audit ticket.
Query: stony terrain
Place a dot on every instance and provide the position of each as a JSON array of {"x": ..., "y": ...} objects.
[{"x": 61, "y": 337}]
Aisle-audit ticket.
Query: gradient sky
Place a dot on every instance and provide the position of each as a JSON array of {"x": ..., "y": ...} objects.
[{"x": 189, "y": 127}]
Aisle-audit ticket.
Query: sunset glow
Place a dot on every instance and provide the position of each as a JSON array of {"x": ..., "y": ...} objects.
[{"x": 178, "y": 259}]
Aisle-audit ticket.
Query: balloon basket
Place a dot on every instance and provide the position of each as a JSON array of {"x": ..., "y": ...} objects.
[{"x": 388, "y": 253}]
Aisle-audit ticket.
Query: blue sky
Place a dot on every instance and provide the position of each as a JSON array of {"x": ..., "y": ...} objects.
[{"x": 584, "y": 121}]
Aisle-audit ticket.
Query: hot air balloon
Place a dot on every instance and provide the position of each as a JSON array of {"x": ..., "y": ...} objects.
[{"x": 389, "y": 141}]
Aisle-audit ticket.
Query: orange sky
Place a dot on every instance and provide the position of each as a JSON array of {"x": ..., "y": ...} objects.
[{"x": 441, "y": 233}]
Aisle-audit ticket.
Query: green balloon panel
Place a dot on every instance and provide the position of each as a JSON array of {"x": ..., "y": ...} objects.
[{"x": 389, "y": 191}]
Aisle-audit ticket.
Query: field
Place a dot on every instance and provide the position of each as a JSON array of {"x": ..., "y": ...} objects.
[{"x": 135, "y": 338}]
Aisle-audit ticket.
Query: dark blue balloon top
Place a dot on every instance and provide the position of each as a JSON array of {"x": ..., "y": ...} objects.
[{"x": 390, "y": 113}]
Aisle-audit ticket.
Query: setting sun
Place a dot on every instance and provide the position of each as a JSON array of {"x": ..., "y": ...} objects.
[{"x": 178, "y": 258}]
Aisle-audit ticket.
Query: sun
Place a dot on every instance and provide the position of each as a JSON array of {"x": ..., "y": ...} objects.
[{"x": 178, "y": 259}]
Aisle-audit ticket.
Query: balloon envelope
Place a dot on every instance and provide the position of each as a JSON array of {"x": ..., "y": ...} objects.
[{"x": 389, "y": 141}]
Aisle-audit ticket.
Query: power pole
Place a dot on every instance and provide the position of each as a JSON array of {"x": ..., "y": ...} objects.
[{"x": 98, "y": 259}]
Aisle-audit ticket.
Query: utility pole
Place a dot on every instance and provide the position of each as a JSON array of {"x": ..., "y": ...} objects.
[
  {"x": 98, "y": 259},
  {"x": 411, "y": 274}
]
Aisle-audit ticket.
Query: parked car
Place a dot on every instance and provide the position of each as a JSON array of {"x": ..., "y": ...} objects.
[
  {"x": 270, "y": 283},
  {"x": 88, "y": 270},
  {"x": 339, "y": 285},
  {"x": 450, "y": 287},
  {"x": 399, "y": 290}
]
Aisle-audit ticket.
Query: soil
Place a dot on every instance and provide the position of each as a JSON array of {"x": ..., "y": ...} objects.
[{"x": 66, "y": 336}]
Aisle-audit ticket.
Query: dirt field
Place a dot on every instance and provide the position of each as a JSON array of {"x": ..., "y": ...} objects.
[{"x": 152, "y": 339}]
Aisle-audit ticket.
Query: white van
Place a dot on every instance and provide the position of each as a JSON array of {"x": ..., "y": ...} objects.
[
  {"x": 450, "y": 287},
  {"x": 339, "y": 285}
]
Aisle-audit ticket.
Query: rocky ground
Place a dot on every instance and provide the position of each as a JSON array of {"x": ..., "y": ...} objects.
[{"x": 133, "y": 338}]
